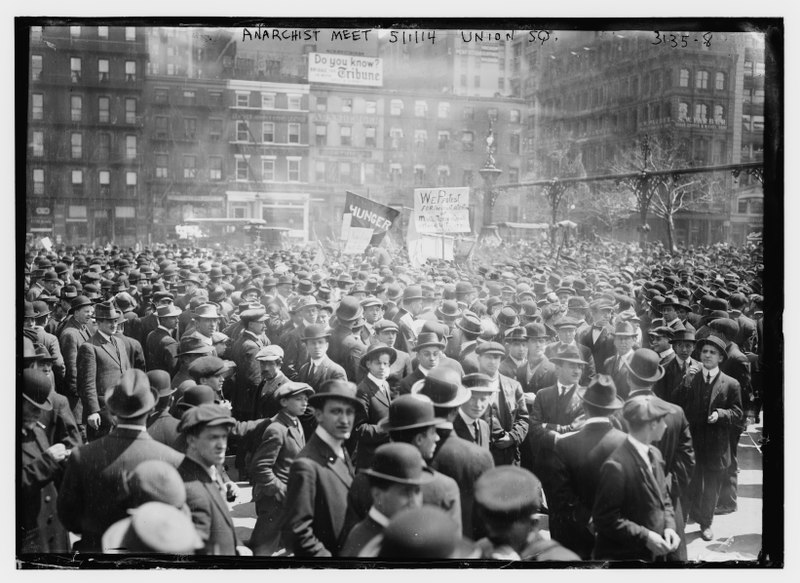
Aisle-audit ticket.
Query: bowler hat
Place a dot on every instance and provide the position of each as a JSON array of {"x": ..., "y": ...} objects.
[
  {"x": 424, "y": 533},
  {"x": 517, "y": 334},
  {"x": 153, "y": 527},
  {"x": 36, "y": 388},
  {"x": 726, "y": 326},
  {"x": 490, "y": 348},
  {"x": 194, "y": 395},
  {"x": 426, "y": 339},
  {"x": 568, "y": 354},
  {"x": 291, "y": 389},
  {"x": 301, "y": 302},
  {"x": 131, "y": 396},
  {"x": 160, "y": 382},
  {"x": 106, "y": 311},
  {"x": 411, "y": 411},
  {"x": 535, "y": 330},
  {"x": 508, "y": 317},
  {"x": 644, "y": 365},
  {"x": 412, "y": 292},
  {"x": 448, "y": 309},
  {"x": 400, "y": 463},
  {"x": 443, "y": 386},
  {"x": 714, "y": 341},
  {"x": 193, "y": 345},
  {"x": 168, "y": 311},
  {"x": 508, "y": 492},
  {"x": 643, "y": 408},
  {"x": 349, "y": 309},
  {"x": 714, "y": 315},
  {"x": 377, "y": 349},
  {"x": 602, "y": 393},
  {"x": 335, "y": 389},
  {"x": 314, "y": 331},
  {"x": 154, "y": 481},
  {"x": 40, "y": 309},
  {"x": 479, "y": 382},
  {"x": 207, "y": 415},
  {"x": 470, "y": 323}
]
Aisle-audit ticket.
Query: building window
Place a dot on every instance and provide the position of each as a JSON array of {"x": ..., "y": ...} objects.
[
  {"x": 215, "y": 99},
  {"x": 395, "y": 136},
  {"x": 345, "y": 171},
  {"x": 319, "y": 171},
  {"x": 758, "y": 123},
  {"x": 130, "y": 111},
  {"x": 742, "y": 206},
  {"x": 420, "y": 137},
  {"x": 719, "y": 81},
  {"x": 267, "y": 131},
  {"x": 76, "y": 108},
  {"x": 467, "y": 178},
  {"x": 683, "y": 111},
  {"x": 242, "y": 99},
  {"x": 467, "y": 141},
  {"x": 104, "y": 179},
  {"x": 514, "y": 116},
  {"x": 294, "y": 102},
  {"x": 74, "y": 31},
  {"x": 214, "y": 128},
  {"x": 215, "y": 168},
  {"x": 370, "y": 136},
  {"x": 443, "y": 139},
  {"x": 684, "y": 78},
  {"x": 347, "y": 105},
  {"x": 293, "y": 169},
  {"x": 463, "y": 80},
  {"x": 420, "y": 108},
  {"x": 395, "y": 172},
  {"x": 346, "y": 135},
  {"x": 189, "y": 97},
  {"x": 419, "y": 175},
  {"x": 103, "y": 109},
  {"x": 36, "y": 67},
  {"x": 719, "y": 115},
  {"x": 37, "y": 141},
  {"x": 162, "y": 128},
  {"x": 75, "y": 69},
  {"x": 36, "y": 33},
  {"x": 162, "y": 166},
  {"x": 444, "y": 110},
  {"x": 242, "y": 131},
  {"x": 38, "y": 181},
  {"x": 700, "y": 113},
  {"x": 239, "y": 210},
  {"x": 189, "y": 167},
  {"x": 161, "y": 96},
  {"x": 468, "y": 113},
  {"x": 513, "y": 145},
  {"x": 130, "y": 33},
  {"x": 372, "y": 106},
  {"x": 701, "y": 80},
  {"x": 492, "y": 113},
  {"x": 130, "y": 70},
  {"x": 267, "y": 101},
  {"x": 322, "y": 103},
  {"x": 77, "y": 179},
  {"x": 102, "y": 32},
  {"x": 131, "y": 180},
  {"x": 37, "y": 106},
  {"x": 396, "y": 107},
  {"x": 442, "y": 175},
  {"x": 130, "y": 147},
  {"x": 76, "y": 143},
  {"x": 103, "y": 146},
  {"x": 190, "y": 128},
  {"x": 321, "y": 133},
  {"x": 102, "y": 70},
  {"x": 241, "y": 169},
  {"x": 267, "y": 169},
  {"x": 513, "y": 175},
  {"x": 294, "y": 133}
]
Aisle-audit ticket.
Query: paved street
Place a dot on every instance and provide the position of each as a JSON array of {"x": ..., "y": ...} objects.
[{"x": 737, "y": 536}]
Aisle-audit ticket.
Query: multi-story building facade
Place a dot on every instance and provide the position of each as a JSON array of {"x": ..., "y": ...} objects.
[{"x": 85, "y": 123}]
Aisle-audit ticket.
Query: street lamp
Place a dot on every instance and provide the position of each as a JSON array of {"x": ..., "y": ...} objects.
[{"x": 489, "y": 172}]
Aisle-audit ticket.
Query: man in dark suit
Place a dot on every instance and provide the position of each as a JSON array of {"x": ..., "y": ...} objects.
[
  {"x": 675, "y": 444},
  {"x": 162, "y": 426},
  {"x": 161, "y": 347},
  {"x": 386, "y": 331},
  {"x": 599, "y": 338},
  {"x": 279, "y": 445},
  {"x": 317, "y": 370},
  {"x": 470, "y": 424},
  {"x": 712, "y": 402},
  {"x": 747, "y": 337},
  {"x": 565, "y": 330},
  {"x": 304, "y": 311},
  {"x": 91, "y": 497},
  {"x": 70, "y": 337},
  {"x": 616, "y": 366},
  {"x": 102, "y": 360},
  {"x": 557, "y": 410},
  {"x": 320, "y": 477},
  {"x": 429, "y": 354},
  {"x": 633, "y": 516},
  {"x": 577, "y": 463},
  {"x": 538, "y": 372},
  {"x": 661, "y": 343},
  {"x": 346, "y": 348},
  {"x": 516, "y": 344},
  {"x": 396, "y": 476},
  {"x": 375, "y": 395},
  {"x": 206, "y": 428},
  {"x": 404, "y": 318},
  {"x": 458, "y": 458},
  {"x": 248, "y": 370}
]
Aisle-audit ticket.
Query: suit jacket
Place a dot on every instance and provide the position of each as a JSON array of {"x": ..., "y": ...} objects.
[
  {"x": 544, "y": 375},
  {"x": 134, "y": 350},
  {"x": 100, "y": 365},
  {"x": 326, "y": 370},
  {"x": 70, "y": 338},
  {"x": 295, "y": 352},
  {"x": 91, "y": 497},
  {"x": 601, "y": 349},
  {"x": 509, "y": 368},
  {"x": 346, "y": 350},
  {"x": 161, "y": 351},
  {"x": 483, "y": 437},
  {"x": 248, "y": 374},
  {"x": 59, "y": 423},
  {"x": 210, "y": 513},
  {"x": 316, "y": 501},
  {"x": 552, "y": 415},
  {"x": 711, "y": 441},
  {"x": 404, "y": 388},
  {"x": 465, "y": 462},
  {"x": 366, "y": 436},
  {"x": 163, "y": 427},
  {"x": 746, "y": 340},
  {"x": 401, "y": 368},
  {"x": 266, "y": 406},
  {"x": 39, "y": 528},
  {"x": 359, "y": 536},
  {"x": 630, "y": 501},
  {"x": 279, "y": 445},
  {"x": 586, "y": 355},
  {"x": 619, "y": 372},
  {"x": 575, "y": 477},
  {"x": 50, "y": 342},
  {"x": 510, "y": 410}
]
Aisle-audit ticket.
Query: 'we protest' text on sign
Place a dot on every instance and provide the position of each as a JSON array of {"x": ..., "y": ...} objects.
[{"x": 442, "y": 210}]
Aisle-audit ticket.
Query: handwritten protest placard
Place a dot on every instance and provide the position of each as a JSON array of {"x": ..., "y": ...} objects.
[{"x": 441, "y": 210}]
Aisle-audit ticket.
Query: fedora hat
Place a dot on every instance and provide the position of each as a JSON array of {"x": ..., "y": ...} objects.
[
  {"x": 569, "y": 353},
  {"x": 644, "y": 365},
  {"x": 411, "y": 411},
  {"x": 443, "y": 387},
  {"x": 131, "y": 396},
  {"x": 480, "y": 382},
  {"x": 193, "y": 345},
  {"x": 168, "y": 311},
  {"x": 314, "y": 331},
  {"x": 106, "y": 311},
  {"x": 400, "y": 463},
  {"x": 470, "y": 323},
  {"x": 602, "y": 393},
  {"x": 349, "y": 309},
  {"x": 335, "y": 389},
  {"x": 683, "y": 336},
  {"x": 624, "y": 328},
  {"x": 36, "y": 388},
  {"x": 426, "y": 339},
  {"x": 206, "y": 311},
  {"x": 516, "y": 334},
  {"x": 377, "y": 349}
]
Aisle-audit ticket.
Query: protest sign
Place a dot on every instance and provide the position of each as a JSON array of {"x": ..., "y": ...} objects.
[
  {"x": 441, "y": 210},
  {"x": 369, "y": 214}
]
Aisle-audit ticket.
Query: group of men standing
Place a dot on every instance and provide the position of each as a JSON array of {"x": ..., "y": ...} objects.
[{"x": 365, "y": 403}]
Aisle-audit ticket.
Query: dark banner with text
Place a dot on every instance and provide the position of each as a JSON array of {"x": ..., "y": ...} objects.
[{"x": 370, "y": 215}]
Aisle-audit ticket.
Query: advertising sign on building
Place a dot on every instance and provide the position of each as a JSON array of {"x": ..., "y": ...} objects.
[
  {"x": 441, "y": 210},
  {"x": 345, "y": 69},
  {"x": 41, "y": 219}
]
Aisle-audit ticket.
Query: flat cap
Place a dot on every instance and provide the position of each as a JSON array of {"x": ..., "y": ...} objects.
[
  {"x": 644, "y": 408},
  {"x": 508, "y": 491},
  {"x": 207, "y": 366},
  {"x": 209, "y": 415}
]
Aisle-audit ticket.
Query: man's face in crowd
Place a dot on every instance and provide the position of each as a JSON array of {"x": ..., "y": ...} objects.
[
  {"x": 257, "y": 327},
  {"x": 107, "y": 327},
  {"x": 478, "y": 404},
  {"x": 566, "y": 334},
  {"x": 489, "y": 363},
  {"x": 336, "y": 417},
  {"x": 397, "y": 497},
  {"x": 270, "y": 368},
  {"x": 210, "y": 444},
  {"x": 373, "y": 313},
  {"x": 250, "y": 297},
  {"x": 388, "y": 337},
  {"x": 284, "y": 289},
  {"x": 83, "y": 314},
  {"x": 206, "y": 326},
  {"x": 323, "y": 317},
  {"x": 317, "y": 348},
  {"x": 517, "y": 350},
  {"x": 536, "y": 348},
  {"x": 669, "y": 313},
  {"x": 623, "y": 344},
  {"x": 169, "y": 322},
  {"x": 683, "y": 349},
  {"x": 214, "y": 381},
  {"x": 710, "y": 356},
  {"x": 603, "y": 316},
  {"x": 426, "y": 442},
  {"x": 659, "y": 343},
  {"x": 295, "y": 405},
  {"x": 429, "y": 357},
  {"x": 568, "y": 373},
  {"x": 379, "y": 365}
]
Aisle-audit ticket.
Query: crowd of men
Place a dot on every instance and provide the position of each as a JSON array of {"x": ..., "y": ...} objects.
[{"x": 384, "y": 410}]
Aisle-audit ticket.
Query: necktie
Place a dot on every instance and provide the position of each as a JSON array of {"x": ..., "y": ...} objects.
[
  {"x": 477, "y": 429},
  {"x": 311, "y": 370},
  {"x": 116, "y": 349},
  {"x": 652, "y": 459}
]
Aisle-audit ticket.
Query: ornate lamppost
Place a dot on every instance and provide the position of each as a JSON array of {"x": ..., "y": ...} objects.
[{"x": 489, "y": 172}]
